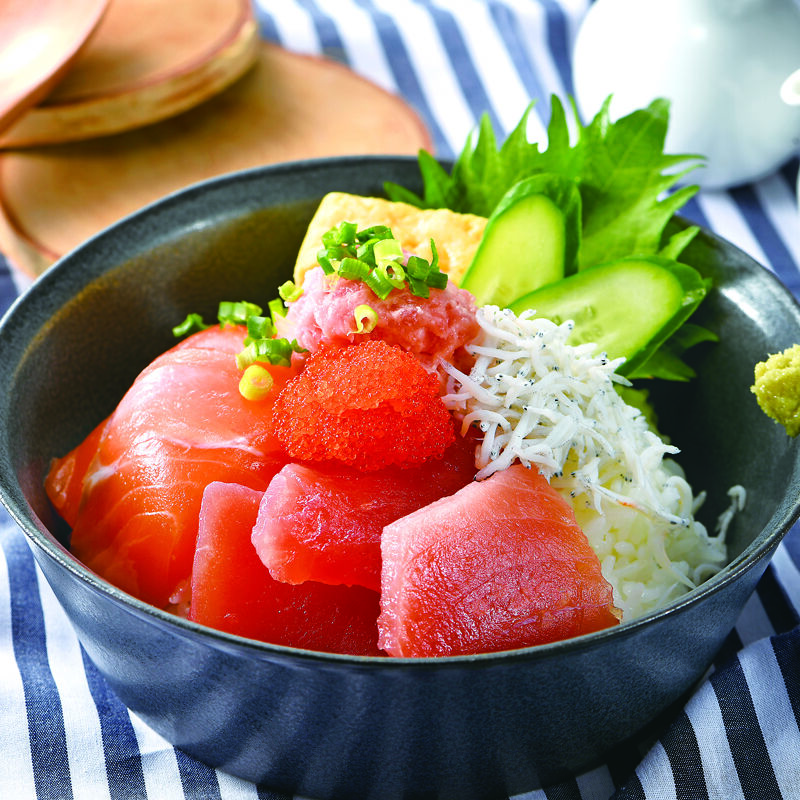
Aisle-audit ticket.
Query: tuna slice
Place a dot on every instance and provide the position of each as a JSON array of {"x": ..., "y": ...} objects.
[
  {"x": 181, "y": 425},
  {"x": 233, "y": 591},
  {"x": 324, "y": 523},
  {"x": 499, "y": 565}
]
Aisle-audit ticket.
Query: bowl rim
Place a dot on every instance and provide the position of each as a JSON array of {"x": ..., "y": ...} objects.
[{"x": 44, "y": 292}]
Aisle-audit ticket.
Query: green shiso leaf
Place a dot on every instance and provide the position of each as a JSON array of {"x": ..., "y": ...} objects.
[
  {"x": 621, "y": 169},
  {"x": 667, "y": 362},
  {"x": 678, "y": 242},
  {"x": 625, "y": 177}
]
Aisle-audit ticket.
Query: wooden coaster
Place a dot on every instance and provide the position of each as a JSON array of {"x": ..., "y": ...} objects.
[
  {"x": 147, "y": 60},
  {"x": 38, "y": 44},
  {"x": 287, "y": 107}
]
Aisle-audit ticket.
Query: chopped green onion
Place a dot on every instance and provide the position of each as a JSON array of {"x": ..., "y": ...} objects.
[
  {"x": 343, "y": 233},
  {"x": 387, "y": 250},
  {"x": 260, "y": 342},
  {"x": 374, "y": 232},
  {"x": 290, "y": 291},
  {"x": 276, "y": 308},
  {"x": 354, "y": 269},
  {"x": 366, "y": 319},
  {"x": 230, "y": 313},
  {"x": 417, "y": 268},
  {"x": 256, "y": 383},
  {"x": 364, "y": 251},
  {"x": 247, "y": 356},
  {"x": 192, "y": 324},
  {"x": 393, "y": 273},
  {"x": 417, "y": 287},
  {"x": 325, "y": 262},
  {"x": 379, "y": 284},
  {"x": 260, "y": 328},
  {"x": 270, "y": 351},
  {"x": 434, "y": 256},
  {"x": 374, "y": 256},
  {"x": 436, "y": 279}
]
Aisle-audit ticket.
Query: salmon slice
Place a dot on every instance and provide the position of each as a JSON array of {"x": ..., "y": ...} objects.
[
  {"x": 500, "y": 564},
  {"x": 321, "y": 522},
  {"x": 234, "y": 592},
  {"x": 64, "y": 481},
  {"x": 181, "y": 425}
]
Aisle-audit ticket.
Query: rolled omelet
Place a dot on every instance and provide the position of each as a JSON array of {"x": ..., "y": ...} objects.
[{"x": 456, "y": 235}]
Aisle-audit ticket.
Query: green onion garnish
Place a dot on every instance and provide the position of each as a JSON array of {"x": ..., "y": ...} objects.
[
  {"x": 271, "y": 351},
  {"x": 418, "y": 287},
  {"x": 379, "y": 284},
  {"x": 230, "y": 313},
  {"x": 417, "y": 268},
  {"x": 192, "y": 324},
  {"x": 387, "y": 251},
  {"x": 256, "y": 383},
  {"x": 366, "y": 319},
  {"x": 343, "y": 233},
  {"x": 437, "y": 280},
  {"x": 393, "y": 273},
  {"x": 260, "y": 343},
  {"x": 374, "y": 256},
  {"x": 374, "y": 232},
  {"x": 277, "y": 308},
  {"x": 354, "y": 269},
  {"x": 289, "y": 291},
  {"x": 260, "y": 328}
]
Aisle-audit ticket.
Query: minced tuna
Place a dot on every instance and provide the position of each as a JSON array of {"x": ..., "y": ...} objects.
[{"x": 430, "y": 328}]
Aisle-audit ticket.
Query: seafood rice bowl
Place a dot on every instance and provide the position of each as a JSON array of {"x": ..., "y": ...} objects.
[{"x": 431, "y": 645}]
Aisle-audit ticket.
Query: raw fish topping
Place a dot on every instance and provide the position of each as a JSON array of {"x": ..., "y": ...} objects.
[
  {"x": 499, "y": 564},
  {"x": 431, "y": 328},
  {"x": 324, "y": 522},
  {"x": 369, "y": 405},
  {"x": 180, "y": 426},
  {"x": 232, "y": 591}
]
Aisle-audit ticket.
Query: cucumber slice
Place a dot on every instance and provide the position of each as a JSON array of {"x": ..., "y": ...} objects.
[
  {"x": 627, "y": 307},
  {"x": 531, "y": 238}
]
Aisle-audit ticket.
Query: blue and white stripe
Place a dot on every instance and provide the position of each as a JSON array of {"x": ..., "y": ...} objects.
[{"x": 63, "y": 733}]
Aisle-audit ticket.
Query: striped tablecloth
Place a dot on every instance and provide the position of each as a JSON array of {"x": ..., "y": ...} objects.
[{"x": 63, "y": 734}]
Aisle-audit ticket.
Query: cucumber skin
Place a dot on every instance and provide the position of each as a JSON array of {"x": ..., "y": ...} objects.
[
  {"x": 484, "y": 276},
  {"x": 644, "y": 328}
]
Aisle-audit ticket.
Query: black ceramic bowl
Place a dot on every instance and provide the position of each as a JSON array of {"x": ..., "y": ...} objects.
[{"x": 336, "y": 726}]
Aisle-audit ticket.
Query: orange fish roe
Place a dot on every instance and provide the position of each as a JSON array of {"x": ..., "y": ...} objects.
[{"x": 370, "y": 405}]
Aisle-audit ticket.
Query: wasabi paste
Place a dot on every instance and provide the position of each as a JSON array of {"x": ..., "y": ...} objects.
[{"x": 777, "y": 388}]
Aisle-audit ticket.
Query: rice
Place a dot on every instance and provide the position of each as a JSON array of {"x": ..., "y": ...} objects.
[{"x": 554, "y": 407}]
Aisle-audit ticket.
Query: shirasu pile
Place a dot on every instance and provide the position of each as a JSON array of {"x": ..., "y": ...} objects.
[{"x": 555, "y": 407}]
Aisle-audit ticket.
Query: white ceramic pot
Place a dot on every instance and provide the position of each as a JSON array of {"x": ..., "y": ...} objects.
[
  {"x": 790, "y": 93},
  {"x": 723, "y": 64}
]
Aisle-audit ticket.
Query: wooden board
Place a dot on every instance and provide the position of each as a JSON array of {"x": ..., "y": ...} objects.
[
  {"x": 287, "y": 107},
  {"x": 147, "y": 60},
  {"x": 39, "y": 42}
]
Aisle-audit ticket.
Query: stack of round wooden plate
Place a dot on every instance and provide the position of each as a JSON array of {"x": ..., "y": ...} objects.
[{"x": 155, "y": 96}]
